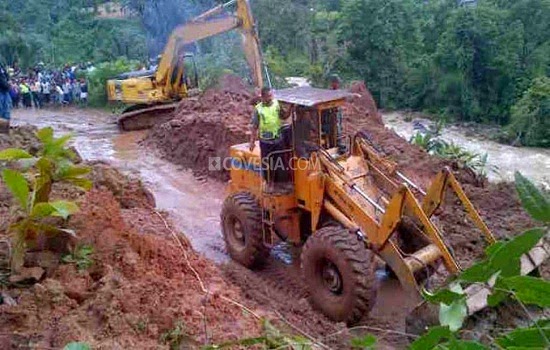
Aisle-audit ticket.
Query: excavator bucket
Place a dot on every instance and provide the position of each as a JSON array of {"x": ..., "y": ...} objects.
[{"x": 146, "y": 117}]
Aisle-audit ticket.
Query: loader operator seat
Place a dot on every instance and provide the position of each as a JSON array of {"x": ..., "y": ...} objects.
[{"x": 306, "y": 132}]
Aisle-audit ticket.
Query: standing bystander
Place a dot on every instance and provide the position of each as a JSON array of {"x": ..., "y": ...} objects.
[{"x": 5, "y": 100}]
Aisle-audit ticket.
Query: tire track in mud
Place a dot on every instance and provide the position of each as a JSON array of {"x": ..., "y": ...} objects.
[{"x": 279, "y": 288}]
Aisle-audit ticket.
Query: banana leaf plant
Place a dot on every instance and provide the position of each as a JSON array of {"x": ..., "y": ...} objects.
[{"x": 30, "y": 178}]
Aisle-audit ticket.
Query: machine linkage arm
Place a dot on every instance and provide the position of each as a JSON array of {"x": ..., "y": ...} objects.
[
  {"x": 209, "y": 24},
  {"x": 436, "y": 194}
]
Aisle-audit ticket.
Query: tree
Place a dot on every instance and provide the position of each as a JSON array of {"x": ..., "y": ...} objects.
[{"x": 531, "y": 114}]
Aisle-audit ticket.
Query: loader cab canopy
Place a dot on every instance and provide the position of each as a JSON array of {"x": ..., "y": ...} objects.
[
  {"x": 309, "y": 97},
  {"x": 316, "y": 121}
]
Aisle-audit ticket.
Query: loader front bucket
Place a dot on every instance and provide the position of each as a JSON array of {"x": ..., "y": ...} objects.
[{"x": 426, "y": 315}]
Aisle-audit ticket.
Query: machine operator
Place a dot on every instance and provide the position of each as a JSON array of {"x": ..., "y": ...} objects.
[{"x": 266, "y": 124}]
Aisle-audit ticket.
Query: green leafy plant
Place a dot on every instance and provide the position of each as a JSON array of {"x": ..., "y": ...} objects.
[
  {"x": 30, "y": 179},
  {"x": 80, "y": 256},
  {"x": 272, "y": 338},
  {"x": 77, "y": 346},
  {"x": 500, "y": 273},
  {"x": 433, "y": 144},
  {"x": 175, "y": 336}
]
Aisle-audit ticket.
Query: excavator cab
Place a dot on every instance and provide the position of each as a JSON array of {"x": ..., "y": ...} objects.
[{"x": 350, "y": 212}]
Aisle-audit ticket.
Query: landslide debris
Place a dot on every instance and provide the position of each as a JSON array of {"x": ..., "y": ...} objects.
[{"x": 142, "y": 289}]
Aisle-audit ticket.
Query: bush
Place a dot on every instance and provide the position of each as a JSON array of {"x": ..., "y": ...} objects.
[
  {"x": 97, "y": 79},
  {"x": 531, "y": 115}
]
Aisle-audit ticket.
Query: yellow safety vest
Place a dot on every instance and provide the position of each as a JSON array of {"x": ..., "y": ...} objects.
[
  {"x": 268, "y": 117},
  {"x": 24, "y": 88}
]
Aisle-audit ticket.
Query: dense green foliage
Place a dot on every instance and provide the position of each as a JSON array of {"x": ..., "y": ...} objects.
[
  {"x": 68, "y": 31},
  {"x": 531, "y": 114},
  {"x": 469, "y": 62},
  {"x": 97, "y": 79},
  {"x": 481, "y": 61}
]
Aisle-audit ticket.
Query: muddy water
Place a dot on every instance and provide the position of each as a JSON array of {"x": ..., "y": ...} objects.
[
  {"x": 503, "y": 161},
  {"x": 193, "y": 206}
]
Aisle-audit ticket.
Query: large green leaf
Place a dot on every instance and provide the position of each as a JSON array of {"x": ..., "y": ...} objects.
[
  {"x": 42, "y": 210},
  {"x": 534, "y": 201},
  {"x": 443, "y": 296},
  {"x": 504, "y": 257},
  {"x": 507, "y": 258},
  {"x": 456, "y": 344},
  {"x": 73, "y": 171},
  {"x": 64, "y": 209},
  {"x": 18, "y": 186},
  {"x": 432, "y": 338},
  {"x": 14, "y": 154},
  {"x": 453, "y": 315},
  {"x": 529, "y": 290},
  {"x": 526, "y": 338}
]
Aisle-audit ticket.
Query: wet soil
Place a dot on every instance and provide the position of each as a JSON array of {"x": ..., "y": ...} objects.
[
  {"x": 192, "y": 197},
  {"x": 193, "y": 205},
  {"x": 215, "y": 128},
  {"x": 145, "y": 280}
]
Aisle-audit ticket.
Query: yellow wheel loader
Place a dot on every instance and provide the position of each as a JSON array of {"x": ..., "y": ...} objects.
[
  {"x": 152, "y": 96},
  {"x": 349, "y": 209}
]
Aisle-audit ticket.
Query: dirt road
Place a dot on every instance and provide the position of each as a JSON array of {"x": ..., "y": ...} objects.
[{"x": 194, "y": 206}]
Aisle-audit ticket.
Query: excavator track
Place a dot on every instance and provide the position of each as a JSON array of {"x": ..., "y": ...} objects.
[{"x": 145, "y": 116}]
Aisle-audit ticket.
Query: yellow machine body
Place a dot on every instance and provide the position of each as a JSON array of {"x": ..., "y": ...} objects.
[
  {"x": 361, "y": 190},
  {"x": 176, "y": 75}
]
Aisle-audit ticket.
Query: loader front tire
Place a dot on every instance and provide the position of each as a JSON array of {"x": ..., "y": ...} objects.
[
  {"x": 340, "y": 274},
  {"x": 241, "y": 221}
]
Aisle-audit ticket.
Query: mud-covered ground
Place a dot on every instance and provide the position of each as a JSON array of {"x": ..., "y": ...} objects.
[
  {"x": 145, "y": 280},
  {"x": 205, "y": 127},
  {"x": 211, "y": 123}
]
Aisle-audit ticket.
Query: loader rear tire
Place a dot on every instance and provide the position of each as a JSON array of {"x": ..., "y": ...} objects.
[
  {"x": 241, "y": 221},
  {"x": 340, "y": 274}
]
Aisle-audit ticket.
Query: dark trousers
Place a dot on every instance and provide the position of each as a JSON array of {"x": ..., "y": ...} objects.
[
  {"x": 275, "y": 164},
  {"x": 27, "y": 99}
]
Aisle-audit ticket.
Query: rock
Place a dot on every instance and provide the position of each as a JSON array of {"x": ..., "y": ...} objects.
[
  {"x": 47, "y": 260},
  {"x": 6, "y": 299},
  {"x": 27, "y": 275}
]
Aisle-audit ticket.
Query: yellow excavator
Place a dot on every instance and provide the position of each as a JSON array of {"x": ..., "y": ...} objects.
[
  {"x": 152, "y": 96},
  {"x": 350, "y": 210}
]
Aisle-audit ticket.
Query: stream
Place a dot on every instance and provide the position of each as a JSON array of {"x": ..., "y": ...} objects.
[{"x": 502, "y": 161}]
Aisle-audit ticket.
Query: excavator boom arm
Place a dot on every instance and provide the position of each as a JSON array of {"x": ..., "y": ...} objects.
[{"x": 210, "y": 24}]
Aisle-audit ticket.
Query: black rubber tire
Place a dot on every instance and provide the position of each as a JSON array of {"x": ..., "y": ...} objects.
[
  {"x": 243, "y": 208},
  {"x": 356, "y": 269}
]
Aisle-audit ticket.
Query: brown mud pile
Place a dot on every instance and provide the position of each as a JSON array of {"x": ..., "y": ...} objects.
[
  {"x": 140, "y": 287},
  {"x": 205, "y": 127},
  {"x": 143, "y": 289}
]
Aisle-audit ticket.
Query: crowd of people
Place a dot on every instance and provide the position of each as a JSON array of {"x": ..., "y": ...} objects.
[{"x": 43, "y": 87}]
